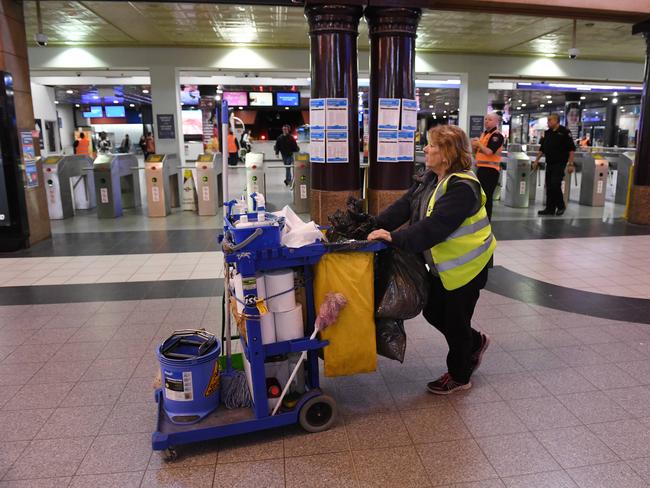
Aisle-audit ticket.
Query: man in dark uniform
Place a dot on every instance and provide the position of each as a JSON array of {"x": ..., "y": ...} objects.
[{"x": 558, "y": 147}]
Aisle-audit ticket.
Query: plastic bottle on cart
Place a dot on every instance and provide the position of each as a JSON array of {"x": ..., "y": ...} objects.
[{"x": 261, "y": 208}]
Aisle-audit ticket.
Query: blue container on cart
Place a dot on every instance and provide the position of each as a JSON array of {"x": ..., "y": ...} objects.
[{"x": 189, "y": 365}]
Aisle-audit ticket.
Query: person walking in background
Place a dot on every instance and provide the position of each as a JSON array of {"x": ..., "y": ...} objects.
[
  {"x": 488, "y": 158},
  {"x": 246, "y": 140},
  {"x": 149, "y": 145},
  {"x": 286, "y": 145},
  {"x": 233, "y": 149},
  {"x": 82, "y": 145},
  {"x": 104, "y": 145},
  {"x": 448, "y": 226},
  {"x": 558, "y": 148},
  {"x": 125, "y": 146}
]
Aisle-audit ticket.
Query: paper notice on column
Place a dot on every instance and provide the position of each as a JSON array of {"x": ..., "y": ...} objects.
[
  {"x": 387, "y": 146},
  {"x": 317, "y": 113},
  {"x": 317, "y": 146},
  {"x": 406, "y": 144},
  {"x": 388, "y": 114},
  {"x": 336, "y": 113},
  {"x": 337, "y": 146},
  {"x": 409, "y": 114}
]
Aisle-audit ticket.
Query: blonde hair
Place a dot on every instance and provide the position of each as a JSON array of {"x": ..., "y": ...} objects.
[{"x": 453, "y": 144}]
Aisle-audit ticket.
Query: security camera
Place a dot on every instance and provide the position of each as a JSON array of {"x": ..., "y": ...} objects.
[
  {"x": 41, "y": 39},
  {"x": 573, "y": 53}
]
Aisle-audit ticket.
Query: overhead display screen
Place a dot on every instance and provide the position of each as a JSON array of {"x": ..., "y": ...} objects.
[
  {"x": 287, "y": 99},
  {"x": 261, "y": 99},
  {"x": 94, "y": 112},
  {"x": 236, "y": 98},
  {"x": 115, "y": 111},
  {"x": 190, "y": 95}
]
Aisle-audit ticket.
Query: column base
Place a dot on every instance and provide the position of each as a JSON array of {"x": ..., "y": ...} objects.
[
  {"x": 638, "y": 211},
  {"x": 379, "y": 200},
  {"x": 324, "y": 203}
]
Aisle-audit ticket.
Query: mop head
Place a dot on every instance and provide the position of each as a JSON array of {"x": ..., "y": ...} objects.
[
  {"x": 330, "y": 309},
  {"x": 234, "y": 390}
]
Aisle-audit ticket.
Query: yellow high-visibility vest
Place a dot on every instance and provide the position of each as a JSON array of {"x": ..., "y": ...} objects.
[{"x": 464, "y": 254}]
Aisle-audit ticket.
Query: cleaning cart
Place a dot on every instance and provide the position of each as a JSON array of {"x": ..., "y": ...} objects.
[{"x": 250, "y": 250}]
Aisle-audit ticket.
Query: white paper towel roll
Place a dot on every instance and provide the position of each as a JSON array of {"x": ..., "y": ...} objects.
[
  {"x": 239, "y": 289},
  {"x": 267, "y": 324},
  {"x": 277, "y": 282},
  {"x": 288, "y": 325}
]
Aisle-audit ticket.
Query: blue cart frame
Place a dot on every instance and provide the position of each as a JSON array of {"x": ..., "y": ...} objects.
[{"x": 223, "y": 422}]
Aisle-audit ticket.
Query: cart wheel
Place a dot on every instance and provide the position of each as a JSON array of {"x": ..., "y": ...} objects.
[
  {"x": 318, "y": 414},
  {"x": 170, "y": 454}
]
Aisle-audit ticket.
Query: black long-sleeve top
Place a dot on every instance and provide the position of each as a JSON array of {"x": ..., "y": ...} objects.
[{"x": 461, "y": 200}]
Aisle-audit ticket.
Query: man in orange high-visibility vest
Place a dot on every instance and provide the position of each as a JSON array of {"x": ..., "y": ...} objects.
[{"x": 488, "y": 149}]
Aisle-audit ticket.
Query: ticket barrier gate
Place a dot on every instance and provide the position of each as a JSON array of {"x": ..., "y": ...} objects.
[
  {"x": 518, "y": 170},
  {"x": 255, "y": 177},
  {"x": 593, "y": 183},
  {"x": 622, "y": 163},
  {"x": 69, "y": 185},
  {"x": 209, "y": 183},
  {"x": 163, "y": 185},
  {"x": 301, "y": 183},
  {"x": 117, "y": 184}
]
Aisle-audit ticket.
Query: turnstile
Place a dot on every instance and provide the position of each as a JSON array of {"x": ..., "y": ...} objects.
[
  {"x": 117, "y": 185},
  {"x": 517, "y": 180},
  {"x": 209, "y": 184},
  {"x": 163, "y": 185},
  {"x": 68, "y": 184},
  {"x": 301, "y": 183},
  {"x": 622, "y": 164},
  {"x": 593, "y": 183}
]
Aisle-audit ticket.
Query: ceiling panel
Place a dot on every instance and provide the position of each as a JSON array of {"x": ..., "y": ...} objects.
[{"x": 182, "y": 24}]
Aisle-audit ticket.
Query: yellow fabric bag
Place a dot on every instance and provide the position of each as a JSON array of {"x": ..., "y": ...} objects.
[{"x": 352, "y": 348}]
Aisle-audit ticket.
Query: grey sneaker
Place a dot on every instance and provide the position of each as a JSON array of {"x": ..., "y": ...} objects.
[
  {"x": 477, "y": 357},
  {"x": 446, "y": 385}
]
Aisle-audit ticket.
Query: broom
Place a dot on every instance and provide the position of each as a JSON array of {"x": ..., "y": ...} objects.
[{"x": 327, "y": 315}]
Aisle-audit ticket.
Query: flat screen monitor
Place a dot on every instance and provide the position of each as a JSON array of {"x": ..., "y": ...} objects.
[
  {"x": 236, "y": 98},
  {"x": 94, "y": 112},
  {"x": 190, "y": 97},
  {"x": 261, "y": 99},
  {"x": 287, "y": 99},
  {"x": 192, "y": 122},
  {"x": 115, "y": 111}
]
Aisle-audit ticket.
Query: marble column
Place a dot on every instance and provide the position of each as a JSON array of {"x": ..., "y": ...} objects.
[
  {"x": 333, "y": 32},
  {"x": 29, "y": 203},
  {"x": 392, "y": 75},
  {"x": 638, "y": 211}
]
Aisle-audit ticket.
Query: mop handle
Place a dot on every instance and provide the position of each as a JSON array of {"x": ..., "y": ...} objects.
[
  {"x": 303, "y": 356},
  {"x": 224, "y": 189}
]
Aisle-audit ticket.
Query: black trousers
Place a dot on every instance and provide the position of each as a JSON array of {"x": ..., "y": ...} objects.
[
  {"x": 489, "y": 179},
  {"x": 554, "y": 177},
  {"x": 451, "y": 313},
  {"x": 233, "y": 159}
]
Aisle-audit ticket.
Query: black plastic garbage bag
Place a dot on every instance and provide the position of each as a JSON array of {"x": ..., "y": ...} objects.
[
  {"x": 401, "y": 284},
  {"x": 351, "y": 223},
  {"x": 391, "y": 339}
]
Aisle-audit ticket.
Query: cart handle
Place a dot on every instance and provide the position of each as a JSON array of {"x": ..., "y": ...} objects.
[{"x": 258, "y": 232}]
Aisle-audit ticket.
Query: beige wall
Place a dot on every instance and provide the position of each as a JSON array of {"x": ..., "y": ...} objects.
[{"x": 13, "y": 59}]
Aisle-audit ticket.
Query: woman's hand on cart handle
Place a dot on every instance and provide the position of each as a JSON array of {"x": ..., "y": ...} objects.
[{"x": 380, "y": 235}]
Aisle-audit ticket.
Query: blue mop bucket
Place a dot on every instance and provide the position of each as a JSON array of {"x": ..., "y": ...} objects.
[{"x": 190, "y": 375}]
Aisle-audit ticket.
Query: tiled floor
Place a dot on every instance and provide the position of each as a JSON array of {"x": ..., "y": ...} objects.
[{"x": 561, "y": 401}]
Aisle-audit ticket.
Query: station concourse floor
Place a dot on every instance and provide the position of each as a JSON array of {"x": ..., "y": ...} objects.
[{"x": 561, "y": 400}]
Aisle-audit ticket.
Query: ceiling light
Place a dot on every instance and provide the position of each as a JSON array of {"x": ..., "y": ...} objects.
[
  {"x": 95, "y": 97},
  {"x": 446, "y": 103},
  {"x": 131, "y": 105},
  {"x": 445, "y": 111},
  {"x": 583, "y": 98},
  {"x": 523, "y": 104},
  {"x": 286, "y": 108},
  {"x": 430, "y": 106},
  {"x": 56, "y": 102},
  {"x": 549, "y": 96},
  {"x": 427, "y": 94},
  {"x": 518, "y": 108},
  {"x": 614, "y": 100},
  {"x": 605, "y": 99},
  {"x": 541, "y": 105},
  {"x": 518, "y": 101},
  {"x": 241, "y": 108},
  {"x": 145, "y": 91},
  {"x": 615, "y": 94},
  {"x": 77, "y": 105},
  {"x": 116, "y": 101},
  {"x": 69, "y": 92}
]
